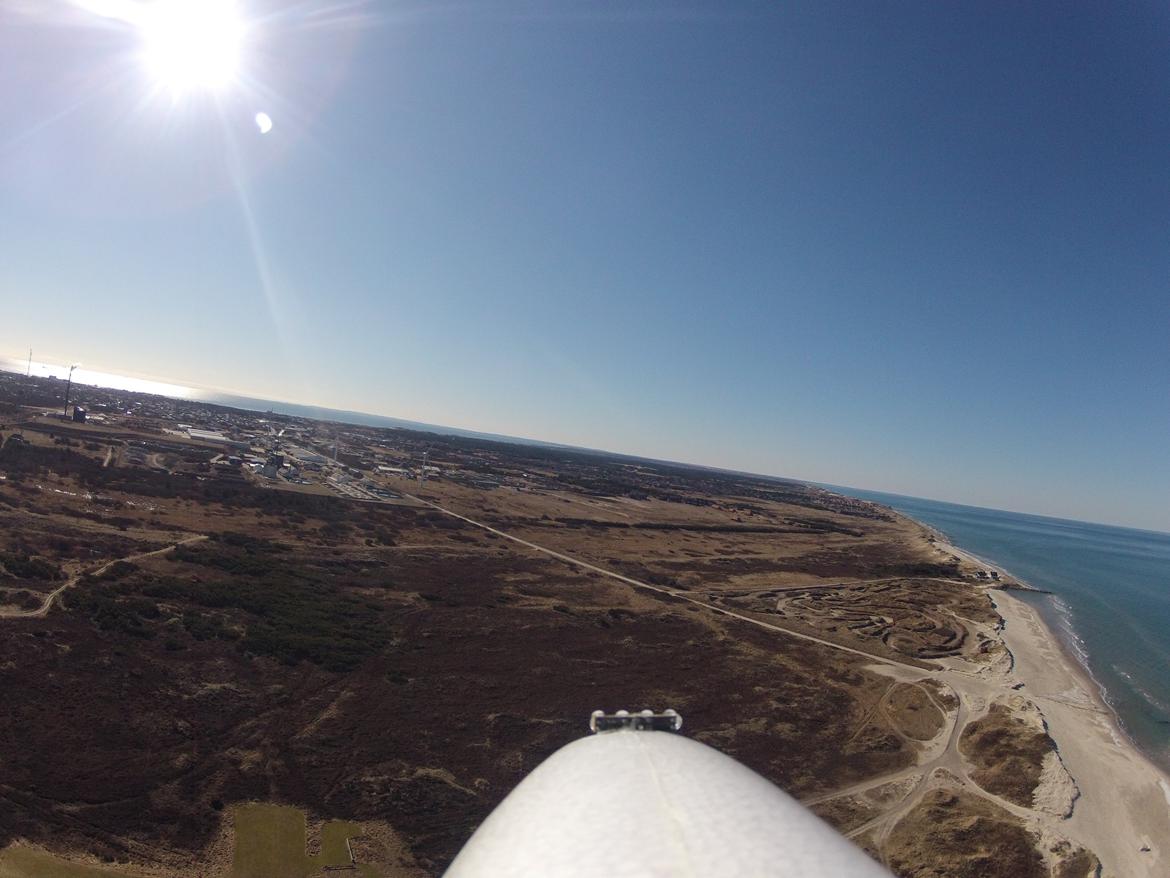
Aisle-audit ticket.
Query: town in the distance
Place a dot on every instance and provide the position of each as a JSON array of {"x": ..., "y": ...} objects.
[{"x": 245, "y": 644}]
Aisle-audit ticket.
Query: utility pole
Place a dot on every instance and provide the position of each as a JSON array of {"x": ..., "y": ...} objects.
[{"x": 68, "y": 385}]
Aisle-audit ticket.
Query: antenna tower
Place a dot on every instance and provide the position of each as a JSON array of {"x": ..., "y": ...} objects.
[{"x": 68, "y": 387}]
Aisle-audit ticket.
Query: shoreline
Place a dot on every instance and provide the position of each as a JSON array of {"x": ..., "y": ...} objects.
[
  {"x": 1077, "y": 660},
  {"x": 1008, "y": 580},
  {"x": 1122, "y": 812}
]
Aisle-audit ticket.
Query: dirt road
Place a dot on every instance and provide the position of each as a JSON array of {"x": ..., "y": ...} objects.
[
  {"x": 940, "y": 761},
  {"x": 52, "y": 596}
]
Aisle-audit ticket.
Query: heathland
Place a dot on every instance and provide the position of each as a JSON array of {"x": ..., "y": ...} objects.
[{"x": 277, "y": 646}]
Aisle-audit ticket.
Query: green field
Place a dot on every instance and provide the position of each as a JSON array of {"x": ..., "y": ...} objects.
[
  {"x": 270, "y": 843},
  {"x": 21, "y": 862}
]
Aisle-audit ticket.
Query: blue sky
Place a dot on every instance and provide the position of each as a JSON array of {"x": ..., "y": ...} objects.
[{"x": 916, "y": 247}]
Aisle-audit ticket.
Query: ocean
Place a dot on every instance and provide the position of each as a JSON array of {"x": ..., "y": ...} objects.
[
  {"x": 1109, "y": 601},
  {"x": 1110, "y": 586}
]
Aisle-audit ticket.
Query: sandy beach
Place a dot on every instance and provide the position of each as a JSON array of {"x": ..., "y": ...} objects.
[
  {"x": 1123, "y": 811},
  {"x": 1122, "y": 807}
]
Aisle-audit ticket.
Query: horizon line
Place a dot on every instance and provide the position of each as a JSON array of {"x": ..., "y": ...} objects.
[{"x": 492, "y": 436}]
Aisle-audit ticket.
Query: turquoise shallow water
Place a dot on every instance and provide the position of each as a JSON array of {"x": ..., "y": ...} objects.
[{"x": 1110, "y": 600}]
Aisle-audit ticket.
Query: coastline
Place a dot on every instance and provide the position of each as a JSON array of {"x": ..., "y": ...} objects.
[
  {"x": 942, "y": 542},
  {"x": 1122, "y": 811},
  {"x": 1075, "y": 658}
]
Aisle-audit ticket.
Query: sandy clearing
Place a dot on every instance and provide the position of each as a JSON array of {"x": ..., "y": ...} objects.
[{"x": 1122, "y": 813}]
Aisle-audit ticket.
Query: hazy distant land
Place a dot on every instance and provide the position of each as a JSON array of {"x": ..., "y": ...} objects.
[{"x": 200, "y": 629}]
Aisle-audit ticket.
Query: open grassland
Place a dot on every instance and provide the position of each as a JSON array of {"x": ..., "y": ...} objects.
[
  {"x": 23, "y": 862},
  {"x": 1007, "y": 753},
  {"x": 270, "y": 841},
  {"x": 956, "y": 834},
  {"x": 395, "y": 670}
]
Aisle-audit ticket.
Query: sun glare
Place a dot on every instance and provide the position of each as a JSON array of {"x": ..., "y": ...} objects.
[{"x": 192, "y": 45}]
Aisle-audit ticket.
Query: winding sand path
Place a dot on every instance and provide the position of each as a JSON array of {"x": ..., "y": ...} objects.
[
  {"x": 674, "y": 593},
  {"x": 1122, "y": 813},
  {"x": 52, "y": 596}
]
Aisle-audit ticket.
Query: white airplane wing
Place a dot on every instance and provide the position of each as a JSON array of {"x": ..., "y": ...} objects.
[{"x": 652, "y": 803}]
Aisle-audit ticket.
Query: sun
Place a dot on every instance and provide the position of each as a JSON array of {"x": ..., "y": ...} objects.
[{"x": 192, "y": 45}]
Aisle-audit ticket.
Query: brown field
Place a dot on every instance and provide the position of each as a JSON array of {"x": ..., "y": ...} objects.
[
  {"x": 964, "y": 836},
  {"x": 216, "y": 640},
  {"x": 1006, "y": 753}
]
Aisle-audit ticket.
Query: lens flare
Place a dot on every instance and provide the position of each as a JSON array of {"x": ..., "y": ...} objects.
[{"x": 192, "y": 45}]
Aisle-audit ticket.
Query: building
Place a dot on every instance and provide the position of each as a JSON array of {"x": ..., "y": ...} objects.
[{"x": 207, "y": 435}]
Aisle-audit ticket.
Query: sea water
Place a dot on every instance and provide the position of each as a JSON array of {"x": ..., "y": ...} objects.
[
  {"x": 1110, "y": 586},
  {"x": 1109, "y": 601}
]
